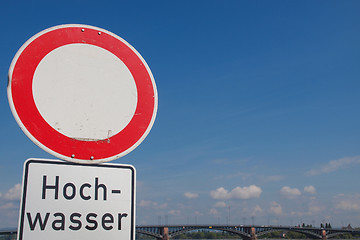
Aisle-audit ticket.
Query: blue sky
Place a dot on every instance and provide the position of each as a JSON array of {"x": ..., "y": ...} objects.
[{"x": 258, "y": 107}]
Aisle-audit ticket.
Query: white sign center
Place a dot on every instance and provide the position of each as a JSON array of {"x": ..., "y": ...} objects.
[{"x": 80, "y": 90}]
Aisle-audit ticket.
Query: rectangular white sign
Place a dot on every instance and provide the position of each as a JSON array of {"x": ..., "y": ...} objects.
[{"x": 62, "y": 200}]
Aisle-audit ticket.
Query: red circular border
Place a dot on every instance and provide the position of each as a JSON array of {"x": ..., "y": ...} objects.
[{"x": 23, "y": 100}]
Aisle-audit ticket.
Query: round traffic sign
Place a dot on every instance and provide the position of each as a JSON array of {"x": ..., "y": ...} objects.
[{"x": 82, "y": 93}]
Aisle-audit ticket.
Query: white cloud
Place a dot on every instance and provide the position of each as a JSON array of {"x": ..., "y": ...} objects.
[
  {"x": 151, "y": 204},
  {"x": 310, "y": 189},
  {"x": 175, "y": 212},
  {"x": 160, "y": 206},
  {"x": 347, "y": 202},
  {"x": 334, "y": 165},
  {"x": 314, "y": 209},
  {"x": 347, "y": 205},
  {"x": 190, "y": 195},
  {"x": 144, "y": 203},
  {"x": 9, "y": 205},
  {"x": 256, "y": 210},
  {"x": 197, "y": 213},
  {"x": 220, "y": 193},
  {"x": 251, "y": 191},
  {"x": 289, "y": 192},
  {"x": 220, "y": 204},
  {"x": 246, "y": 192},
  {"x": 14, "y": 193},
  {"x": 275, "y": 208},
  {"x": 213, "y": 211}
]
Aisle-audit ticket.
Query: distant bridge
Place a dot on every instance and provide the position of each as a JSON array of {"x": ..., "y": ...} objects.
[
  {"x": 161, "y": 232},
  {"x": 244, "y": 232}
]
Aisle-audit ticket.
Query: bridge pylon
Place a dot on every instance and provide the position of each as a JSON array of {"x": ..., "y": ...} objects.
[
  {"x": 323, "y": 235},
  {"x": 165, "y": 233},
  {"x": 253, "y": 234}
]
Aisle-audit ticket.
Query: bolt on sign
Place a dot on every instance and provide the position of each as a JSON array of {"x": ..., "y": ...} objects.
[
  {"x": 82, "y": 93},
  {"x": 57, "y": 204}
]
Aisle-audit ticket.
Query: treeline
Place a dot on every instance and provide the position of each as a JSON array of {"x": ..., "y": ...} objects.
[
  {"x": 207, "y": 235},
  {"x": 297, "y": 235},
  {"x": 201, "y": 234},
  {"x": 326, "y": 225},
  {"x": 285, "y": 235},
  {"x": 7, "y": 237}
]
